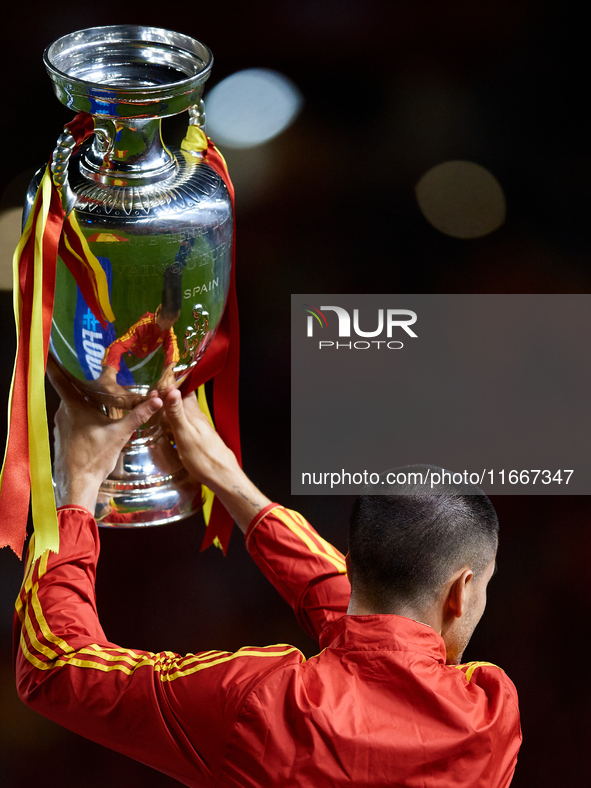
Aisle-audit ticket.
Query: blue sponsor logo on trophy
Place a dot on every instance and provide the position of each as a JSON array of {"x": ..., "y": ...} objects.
[{"x": 91, "y": 340}]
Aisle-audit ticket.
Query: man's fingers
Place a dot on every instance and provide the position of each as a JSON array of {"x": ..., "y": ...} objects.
[{"x": 142, "y": 413}]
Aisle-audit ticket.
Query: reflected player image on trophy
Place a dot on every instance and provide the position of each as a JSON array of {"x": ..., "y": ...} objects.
[{"x": 154, "y": 330}]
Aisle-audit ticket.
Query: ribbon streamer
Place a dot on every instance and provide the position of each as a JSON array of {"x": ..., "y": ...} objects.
[
  {"x": 221, "y": 361},
  {"x": 26, "y": 472}
]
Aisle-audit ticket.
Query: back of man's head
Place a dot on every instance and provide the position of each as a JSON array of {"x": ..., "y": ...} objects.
[{"x": 407, "y": 541}]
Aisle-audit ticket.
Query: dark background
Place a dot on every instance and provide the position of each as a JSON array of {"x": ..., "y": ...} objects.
[{"x": 390, "y": 90}]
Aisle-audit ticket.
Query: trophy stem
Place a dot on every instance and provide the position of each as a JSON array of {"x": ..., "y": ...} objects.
[
  {"x": 149, "y": 485},
  {"x": 128, "y": 152}
]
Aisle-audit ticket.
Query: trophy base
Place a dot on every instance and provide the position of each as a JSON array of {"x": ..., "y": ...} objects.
[{"x": 149, "y": 485}]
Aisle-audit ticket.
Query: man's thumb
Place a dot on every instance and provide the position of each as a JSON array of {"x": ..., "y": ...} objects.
[
  {"x": 173, "y": 406},
  {"x": 142, "y": 413}
]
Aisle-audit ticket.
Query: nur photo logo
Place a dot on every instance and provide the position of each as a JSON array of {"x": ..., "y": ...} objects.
[{"x": 387, "y": 322}]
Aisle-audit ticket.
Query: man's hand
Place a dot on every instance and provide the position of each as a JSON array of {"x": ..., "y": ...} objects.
[
  {"x": 209, "y": 460},
  {"x": 88, "y": 443}
]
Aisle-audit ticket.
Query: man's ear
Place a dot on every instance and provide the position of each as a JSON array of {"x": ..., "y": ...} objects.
[{"x": 455, "y": 602}]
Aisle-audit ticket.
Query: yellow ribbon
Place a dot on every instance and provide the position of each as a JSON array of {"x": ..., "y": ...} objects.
[
  {"x": 208, "y": 495},
  {"x": 17, "y": 305},
  {"x": 196, "y": 141},
  {"x": 42, "y": 495},
  {"x": 89, "y": 260}
]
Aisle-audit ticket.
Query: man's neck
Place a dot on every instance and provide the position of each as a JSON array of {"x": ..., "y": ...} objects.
[{"x": 358, "y": 607}]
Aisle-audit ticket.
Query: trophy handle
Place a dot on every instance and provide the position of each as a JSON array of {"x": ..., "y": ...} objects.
[
  {"x": 60, "y": 160},
  {"x": 197, "y": 114}
]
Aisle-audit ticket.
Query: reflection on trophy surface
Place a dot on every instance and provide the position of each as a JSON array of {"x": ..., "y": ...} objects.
[
  {"x": 152, "y": 332},
  {"x": 159, "y": 221},
  {"x": 149, "y": 335}
]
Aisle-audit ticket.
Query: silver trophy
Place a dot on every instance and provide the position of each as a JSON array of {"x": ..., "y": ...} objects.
[{"x": 160, "y": 222}]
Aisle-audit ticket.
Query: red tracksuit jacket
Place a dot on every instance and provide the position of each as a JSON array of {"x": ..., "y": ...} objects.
[
  {"x": 377, "y": 706},
  {"x": 141, "y": 339}
]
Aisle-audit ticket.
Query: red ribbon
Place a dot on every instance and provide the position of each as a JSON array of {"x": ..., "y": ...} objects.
[
  {"x": 80, "y": 128},
  {"x": 222, "y": 363},
  {"x": 16, "y": 480}
]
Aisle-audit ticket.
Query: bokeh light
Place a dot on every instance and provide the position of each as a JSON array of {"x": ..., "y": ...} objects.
[
  {"x": 461, "y": 199},
  {"x": 10, "y": 232},
  {"x": 251, "y": 107}
]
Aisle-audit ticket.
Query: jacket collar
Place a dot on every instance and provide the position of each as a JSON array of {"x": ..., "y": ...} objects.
[{"x": 383, "y": 633}]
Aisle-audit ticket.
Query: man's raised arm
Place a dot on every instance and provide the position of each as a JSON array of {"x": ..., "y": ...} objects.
[
  {"x": 208, "y": 459},
  {"x": 309, "y": 573}
]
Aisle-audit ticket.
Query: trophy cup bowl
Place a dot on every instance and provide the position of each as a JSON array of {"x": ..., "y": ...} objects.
[{"x": 159, "y": 220}]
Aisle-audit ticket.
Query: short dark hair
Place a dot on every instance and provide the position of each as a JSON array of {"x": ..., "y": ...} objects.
[{"x": 408, "y": 540}]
